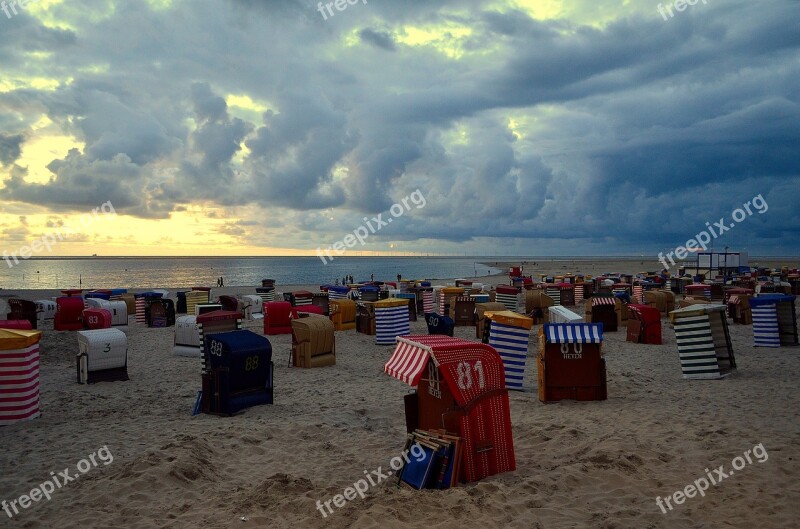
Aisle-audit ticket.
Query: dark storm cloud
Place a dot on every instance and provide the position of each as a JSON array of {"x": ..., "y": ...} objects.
[
  {"x": 10, "y": 147},
  {"x": 380, "y": 39},
  {"x": 625, "y": 134}
]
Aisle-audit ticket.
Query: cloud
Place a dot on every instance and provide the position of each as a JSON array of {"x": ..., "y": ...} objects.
[
  {"x": 10, "y": 147},
  {"x": 570, "y": 127}
]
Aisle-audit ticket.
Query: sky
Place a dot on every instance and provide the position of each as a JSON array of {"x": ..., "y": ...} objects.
[{"x": 515, "y": 127}]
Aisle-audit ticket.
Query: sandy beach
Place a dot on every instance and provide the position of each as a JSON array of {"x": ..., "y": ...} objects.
[{"x": 579, "y": 464}]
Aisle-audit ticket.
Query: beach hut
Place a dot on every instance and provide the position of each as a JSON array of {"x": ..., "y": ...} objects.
[
  {"x": 698, "y": 291},
  {"x": 94, "y": 318},
  {"x": 118, "y": 310},
  {"x": 104, "y": 295},
  {"x": 559, "y": 314},
  {"x": 447, "y": 296},
  {"x": 567, "y": 294},
  {"x": 427, "y": 301},
  {"x": 322, "y": 300},
  {"x": 411, "y": 298},
  {"x": 180, "y": 304},
  {"x": 570, "y": 362},
  {"x": 480, "y": 315},
  {"x": 368, "y": 293},
  {"x": 510, "y": 297},
  {"x": 187, "y": 337},
  {"x": 19, "y": 375},
  {"x": 277, "y": 317},
  {"x": 644, "y": 324},
  {"x": 22, "y": 309},
  {"x": 266, "y": 294},
  {"x": 656, "y": 299},
  {"x": 160, "y": 312},
  {"x": 140, "y": 309},
  {"x": 391, "y": 320},
  {"x": 480, "y": 298},
  {"x": 365, "y": 317},
  {"x": 554, "y": 292},
  {"x": 739, "y": 309},
  {"x": 508, "y": 335},
  {"x": 669, "y": 300},
  {"x": 343, "y": 314},
  {"x": 605, "y": 310},
  {"x": 622, "y": 288},
  {"x": 337, "y": 292},
  {"x": 216, "y": 322},
  {"x": 69, "y": 314},
  {"x": 130, "y": 303},
  {"x": 45, "y": 309},
  {"x": 704, "y": 343},
  {"x": 102, "y": 355},
  {"x": 253, "y": 307},
  {"x": 774, "y": 320},
  {"x": 313, "y": 342},
  {"x": 461, "y": 389},
  {"x": 299, "y": 298},
  {"x": 638, "y": 293},
  {"x": 717, "y": 292},
  {"x": 537, "y": 305},
  {"x": 196, "y": 297},
  {"x": 238, "y": 372},
  {"x": 229, "y": 303},
  {"x": 464, "y": 311},
  {"x": 579, "y": 293}
]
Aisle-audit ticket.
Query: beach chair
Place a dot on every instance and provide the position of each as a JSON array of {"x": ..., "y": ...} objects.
[
  {"x": 464, "y": 311},
  {"x": 570, "y": 363},
  {"x": 480, "y": 319},
  {"x": 69, "y": 314},
  {"x": 313, "y": 342},
  {"x": 94, "y": 318},
  {"x": 238, "y": 372},
  {"x": 229, "y": 303},
  {"x": 22, "y": 309},
  {"x": 460, "y": 387},
  {"x": 19, "y": 375},
  {"x": 439, "y": 324},
  {"x": 277, "y": 317},
  {"x": 343, "y": 314},
  {"x": 102, "y": 355}
]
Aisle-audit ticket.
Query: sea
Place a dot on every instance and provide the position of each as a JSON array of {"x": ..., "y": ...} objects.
[{"x": 179, "y": 272}]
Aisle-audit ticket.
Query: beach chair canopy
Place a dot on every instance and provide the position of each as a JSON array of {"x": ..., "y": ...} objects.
[
  {"x": 452, "y": 356},
  {"x": 573, "y": 333}
]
